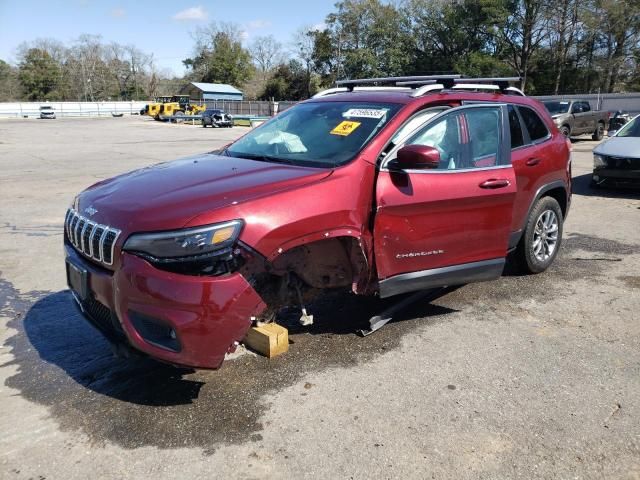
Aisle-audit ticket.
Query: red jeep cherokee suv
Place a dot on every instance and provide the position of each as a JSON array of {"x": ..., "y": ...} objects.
[{"x": 375, "y": 189}]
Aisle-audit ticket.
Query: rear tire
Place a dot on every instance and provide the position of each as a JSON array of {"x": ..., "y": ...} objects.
[
  {"x": 599, "y": 133},
  {"x": 542, "y": 236}
]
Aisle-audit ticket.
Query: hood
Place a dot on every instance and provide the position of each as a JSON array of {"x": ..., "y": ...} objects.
[
  {"x": 620, "y": 147},
  {"x": 166, "y": 196}
]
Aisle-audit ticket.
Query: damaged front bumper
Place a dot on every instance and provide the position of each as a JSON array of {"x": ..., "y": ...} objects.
[
  {"x": 616, "y": 177},
  {"x": 184, "y": 320}
]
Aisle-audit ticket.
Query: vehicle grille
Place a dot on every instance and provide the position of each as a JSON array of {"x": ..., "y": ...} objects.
[
  {"x": 623, "y": 163},
  {"x": 90, "y": 238}
]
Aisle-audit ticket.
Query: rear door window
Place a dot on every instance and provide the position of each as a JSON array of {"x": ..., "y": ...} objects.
[
  {"x": 517, "y": 139},
  {"x": 533, "y": 123}
]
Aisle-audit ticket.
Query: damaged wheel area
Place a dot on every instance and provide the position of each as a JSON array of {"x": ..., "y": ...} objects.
[{"x": 299, "y": 276}]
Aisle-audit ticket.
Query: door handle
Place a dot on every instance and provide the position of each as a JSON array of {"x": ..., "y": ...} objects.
[
  {"x": 533, "y": 161},
  {"x": 494, "y": 183}
]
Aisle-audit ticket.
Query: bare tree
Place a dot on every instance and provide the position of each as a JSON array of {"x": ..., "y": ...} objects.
[
  {"x": 524, "y": 32},
  {"x": 303, "y": 43},
  {"x": 563, "y": 25},
  {"x": 266, "y": 53}
]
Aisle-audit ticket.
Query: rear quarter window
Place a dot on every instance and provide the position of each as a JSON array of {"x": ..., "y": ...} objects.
[{"x": 533, "y": 123}]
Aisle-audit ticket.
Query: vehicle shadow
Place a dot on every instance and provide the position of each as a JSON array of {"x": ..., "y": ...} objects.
[
  {"x": 59, "y": 335},
  {"x": 62, "y": 337},
  {"x": 333, "y": 309},
  {"x": 61, "y": 362},
  {"x": 581, "y": 185}
]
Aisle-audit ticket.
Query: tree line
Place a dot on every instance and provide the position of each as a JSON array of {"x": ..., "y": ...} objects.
[
  {"x": 555, "y": 46},
  {"x": 87, "y": 70}
]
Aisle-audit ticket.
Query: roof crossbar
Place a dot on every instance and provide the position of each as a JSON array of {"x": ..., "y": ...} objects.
[
  {"x": 501, "y": 82},
  {"x": 351, "y": 84}
]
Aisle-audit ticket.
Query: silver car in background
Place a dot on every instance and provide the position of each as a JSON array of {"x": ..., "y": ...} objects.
[
  {"x": 616, "y": 161},
  {"x": 47, "y": 111}
]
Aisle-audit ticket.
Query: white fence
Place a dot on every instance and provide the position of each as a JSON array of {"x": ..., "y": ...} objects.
[{"x": 70, "y": 109}]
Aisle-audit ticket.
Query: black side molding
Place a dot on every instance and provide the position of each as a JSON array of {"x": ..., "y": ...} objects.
[{"x": 442, "y": 277}]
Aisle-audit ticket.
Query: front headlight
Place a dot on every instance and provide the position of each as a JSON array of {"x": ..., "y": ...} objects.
[
  {"x": 599, "y": 161},
  {"x": 187, "y": 243}
]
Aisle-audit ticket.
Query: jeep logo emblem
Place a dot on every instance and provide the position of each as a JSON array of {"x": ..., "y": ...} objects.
[{"x": 90, "y": 210}]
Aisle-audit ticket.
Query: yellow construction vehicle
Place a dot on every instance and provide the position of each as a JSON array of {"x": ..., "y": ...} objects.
[
  {"x": 153, "y": 109},
  {"x": 179, "y": 104}
]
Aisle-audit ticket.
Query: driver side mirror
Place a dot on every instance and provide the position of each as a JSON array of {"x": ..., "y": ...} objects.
[{"x": 418, "y": 157}]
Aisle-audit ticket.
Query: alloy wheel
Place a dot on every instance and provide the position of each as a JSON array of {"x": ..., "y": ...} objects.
[{"x": 545, "y": 235}]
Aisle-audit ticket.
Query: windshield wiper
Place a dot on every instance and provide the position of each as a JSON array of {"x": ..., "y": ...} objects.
[{"x": 264, "y": 158}]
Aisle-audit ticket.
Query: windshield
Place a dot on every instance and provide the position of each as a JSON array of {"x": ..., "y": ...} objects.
[
  {"x": 323, "y": 134},
  {"x": 631, "y": 129},
  {"x": 556, "y": 108}
]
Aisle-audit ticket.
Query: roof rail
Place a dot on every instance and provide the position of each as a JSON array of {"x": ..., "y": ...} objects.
[
  {"x": 493, "y": 83},
  {"x": 331, "y": 91},
  {"x": 422, "y": 84}
]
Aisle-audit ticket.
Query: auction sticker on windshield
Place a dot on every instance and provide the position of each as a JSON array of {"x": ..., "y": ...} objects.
[
  {"x": 345, "y": 128},
  {"x": 364, "y": 113}
]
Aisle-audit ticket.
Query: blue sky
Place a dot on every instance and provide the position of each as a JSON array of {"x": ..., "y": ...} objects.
[{"x": 160, "y": 27}]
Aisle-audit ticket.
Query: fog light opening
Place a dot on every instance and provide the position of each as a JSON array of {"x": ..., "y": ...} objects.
[{"x": 155, "y": 331}]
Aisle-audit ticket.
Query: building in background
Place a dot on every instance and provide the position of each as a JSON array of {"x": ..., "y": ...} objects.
[{"x": 211, "y": 91}]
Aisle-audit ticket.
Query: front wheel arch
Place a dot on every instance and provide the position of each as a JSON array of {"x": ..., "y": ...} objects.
[{"x": 540, "y": 242}]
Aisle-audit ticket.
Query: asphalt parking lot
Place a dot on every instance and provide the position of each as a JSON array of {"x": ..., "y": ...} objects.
[{"x": 524, "y": 377}]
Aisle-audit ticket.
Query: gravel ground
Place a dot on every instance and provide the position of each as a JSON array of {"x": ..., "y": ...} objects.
[{"x": 523, "y": 377}]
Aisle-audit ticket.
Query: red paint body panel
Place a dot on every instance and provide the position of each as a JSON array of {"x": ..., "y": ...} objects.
[
  {"x": 340, "y": 202},
  {"x": 428, "y": 213},
  {"x": 552, "y": 154},
  {"x": 169, "y": 195},
  {"x": 208, "y": 314},
  {"x": 284, "y": 206}
]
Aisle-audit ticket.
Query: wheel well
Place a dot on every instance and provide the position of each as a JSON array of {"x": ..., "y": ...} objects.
[
  {"x": 330, "y": 263},
  {"x": 560, "y": 195}
]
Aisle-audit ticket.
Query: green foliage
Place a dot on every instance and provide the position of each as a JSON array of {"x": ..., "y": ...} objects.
[
  {"x": 220, "y": 57},
  {"x": 565, "y": 45},
  {"x": 481, "y": 64},
  {"x": 9, "y": 86},
  {"x": 365, "y": 38},
  {"x": 444, "y": 33},
  {"x": 39, "y": 75},
  {"x": 290, "y": 81}
]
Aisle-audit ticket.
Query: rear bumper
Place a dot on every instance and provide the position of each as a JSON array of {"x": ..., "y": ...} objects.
[{"x": 183, "y": 320}]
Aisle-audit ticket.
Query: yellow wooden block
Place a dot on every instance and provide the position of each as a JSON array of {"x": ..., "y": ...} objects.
[{"x": 269, "y": 340}]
